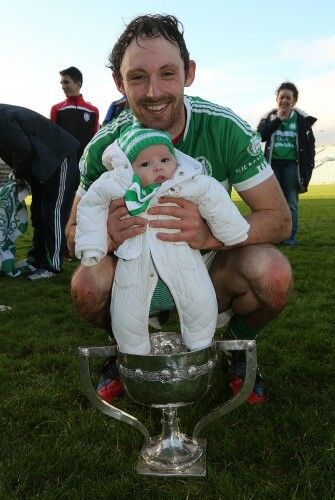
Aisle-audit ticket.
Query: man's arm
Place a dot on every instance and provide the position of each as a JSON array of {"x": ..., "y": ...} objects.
[
  {"x": 119, "y": 227},
  {"x": 96, "y": 125},
  {"x": 70, "y": 230},
  {"x": 270, "y": 218},
  {"x": 53, "y": 114},
  {"x": 22, "y": 153}
]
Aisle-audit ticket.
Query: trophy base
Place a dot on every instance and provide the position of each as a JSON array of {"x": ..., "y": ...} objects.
[{"x": 197, "y": 469}]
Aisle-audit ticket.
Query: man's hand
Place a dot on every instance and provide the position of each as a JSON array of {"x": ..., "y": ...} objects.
[
  {"x": 192, "y": 228},
  {"x": 120, "y": 227}
]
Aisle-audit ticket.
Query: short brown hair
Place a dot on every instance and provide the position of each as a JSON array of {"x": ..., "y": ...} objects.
[{"x": 150, "y": 26}]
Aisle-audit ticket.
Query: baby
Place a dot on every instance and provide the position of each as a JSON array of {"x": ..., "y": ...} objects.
[{"x": 142, "y": 167}]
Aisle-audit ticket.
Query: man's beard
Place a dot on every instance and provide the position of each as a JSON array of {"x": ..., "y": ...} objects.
[{"x": 167, "y": 122}]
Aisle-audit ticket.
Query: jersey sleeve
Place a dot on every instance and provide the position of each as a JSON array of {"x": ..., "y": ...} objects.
[
  {"x": 249, "y": 167},
  {"x": 90, "y": 167},
  {"x": 90, "y": 164}
]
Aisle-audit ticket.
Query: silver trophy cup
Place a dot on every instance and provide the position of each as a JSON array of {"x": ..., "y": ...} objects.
[{"x": 168, "y": 378}]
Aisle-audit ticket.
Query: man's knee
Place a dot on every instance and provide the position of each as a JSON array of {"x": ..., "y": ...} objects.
[
  {"x": 83, "y": 292},
  {"x": 275, "y": 278},
  {"x": 93, "y": 280},
  {"x": 251, "y": 275},
  {"x": 81, "y": 284},
  {"x": 91, "y": 290}
]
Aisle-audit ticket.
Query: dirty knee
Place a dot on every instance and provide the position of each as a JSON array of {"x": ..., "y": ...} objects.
[{"x": 279, "y": 285}]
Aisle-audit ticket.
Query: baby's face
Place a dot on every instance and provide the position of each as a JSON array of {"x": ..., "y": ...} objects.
[{"x": 154, "y": 165}]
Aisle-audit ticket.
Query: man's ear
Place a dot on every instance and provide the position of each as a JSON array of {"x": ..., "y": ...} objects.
[
  {"x": 119, "y": 83},
  {"x": 191, "y": 74}
]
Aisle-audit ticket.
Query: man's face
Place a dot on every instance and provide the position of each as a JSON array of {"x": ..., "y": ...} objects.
[
  {"x": 153, "y": 79},
  {"x": 69, "y": 86},
  {"x": 154, "y": 165}
]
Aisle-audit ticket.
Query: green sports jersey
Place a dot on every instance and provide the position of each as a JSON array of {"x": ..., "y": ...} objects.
[
  {"x": 227, "y": 147},
  {"x": 285, "y": 140}
]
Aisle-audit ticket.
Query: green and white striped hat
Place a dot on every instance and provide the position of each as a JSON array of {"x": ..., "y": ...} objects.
[{"x": 135, "y": 139}]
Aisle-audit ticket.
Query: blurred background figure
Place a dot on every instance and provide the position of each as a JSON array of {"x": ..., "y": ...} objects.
[
  {"x": 289, "y": 148},
  {"x": 44, "y": 155},
  {"x": 115, "y": 109},
  {"x": 75, "y": 115},
  {"x": 13, "y": 223}
]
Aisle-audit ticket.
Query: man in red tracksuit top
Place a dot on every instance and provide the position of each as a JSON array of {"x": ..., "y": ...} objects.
[{"x": 75, "y": 115}]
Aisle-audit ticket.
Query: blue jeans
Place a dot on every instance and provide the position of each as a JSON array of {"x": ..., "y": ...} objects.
[{"x": 287, "y": 178}]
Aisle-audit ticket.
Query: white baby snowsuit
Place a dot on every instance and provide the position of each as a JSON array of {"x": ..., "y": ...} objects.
[{"x": 144, "y": 257}]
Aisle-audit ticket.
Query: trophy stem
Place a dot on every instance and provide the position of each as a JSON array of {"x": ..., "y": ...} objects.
[{"x": 171, "y": 450}]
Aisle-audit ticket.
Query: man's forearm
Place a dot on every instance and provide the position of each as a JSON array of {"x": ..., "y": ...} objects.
[
  {"x": 70, "y": 232},
  {"x": 70, "y": 229},
  {"x": 268, "y": 227},
  {"x": 263, "y": 229},
  {"x": 270, "y": 217}
]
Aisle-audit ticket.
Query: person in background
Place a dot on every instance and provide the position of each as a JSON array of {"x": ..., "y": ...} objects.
[
  {"x": 151, "y": 66},
  {"x": 44, "y": 155},
  {"x": 115, "y": 109},
  {"x": 289, "y": 148},
  {"x": 75, "y": 115}
]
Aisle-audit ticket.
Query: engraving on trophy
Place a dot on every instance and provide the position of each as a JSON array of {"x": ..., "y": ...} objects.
[{"x": 166, "y": 375}]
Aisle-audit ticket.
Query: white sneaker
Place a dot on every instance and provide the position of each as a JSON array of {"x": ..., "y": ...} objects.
[{"x": 41, "y": 274}]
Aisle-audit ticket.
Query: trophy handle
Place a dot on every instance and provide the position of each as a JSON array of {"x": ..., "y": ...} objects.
[
  {"x": 85, "y": 353},
  {"x": 249, "y": 346}
]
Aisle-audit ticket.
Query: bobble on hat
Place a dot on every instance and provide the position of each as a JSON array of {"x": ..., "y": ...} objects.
[{"x": 135, "y": 139}]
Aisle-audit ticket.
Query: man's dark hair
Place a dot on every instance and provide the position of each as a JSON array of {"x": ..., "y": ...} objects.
[
  {"x": 74, "y": 73},
  {"x": 288, "y": 86},
  {"x": 149, "y": 26}
]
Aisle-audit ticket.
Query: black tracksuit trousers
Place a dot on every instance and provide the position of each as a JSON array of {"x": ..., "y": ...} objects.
[{"x": 50, "y": 209}]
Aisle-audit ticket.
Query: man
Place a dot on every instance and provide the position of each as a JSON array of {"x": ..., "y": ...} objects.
[
  {"x": 44, "y": 155},
  {"x": 151, "y": 66},
  {"x": 115, "y": 108},
  {"x": 75, "y": 115}
]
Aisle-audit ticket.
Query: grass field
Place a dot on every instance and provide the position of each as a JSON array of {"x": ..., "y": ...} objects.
[{"x": 54, "y": 445}]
